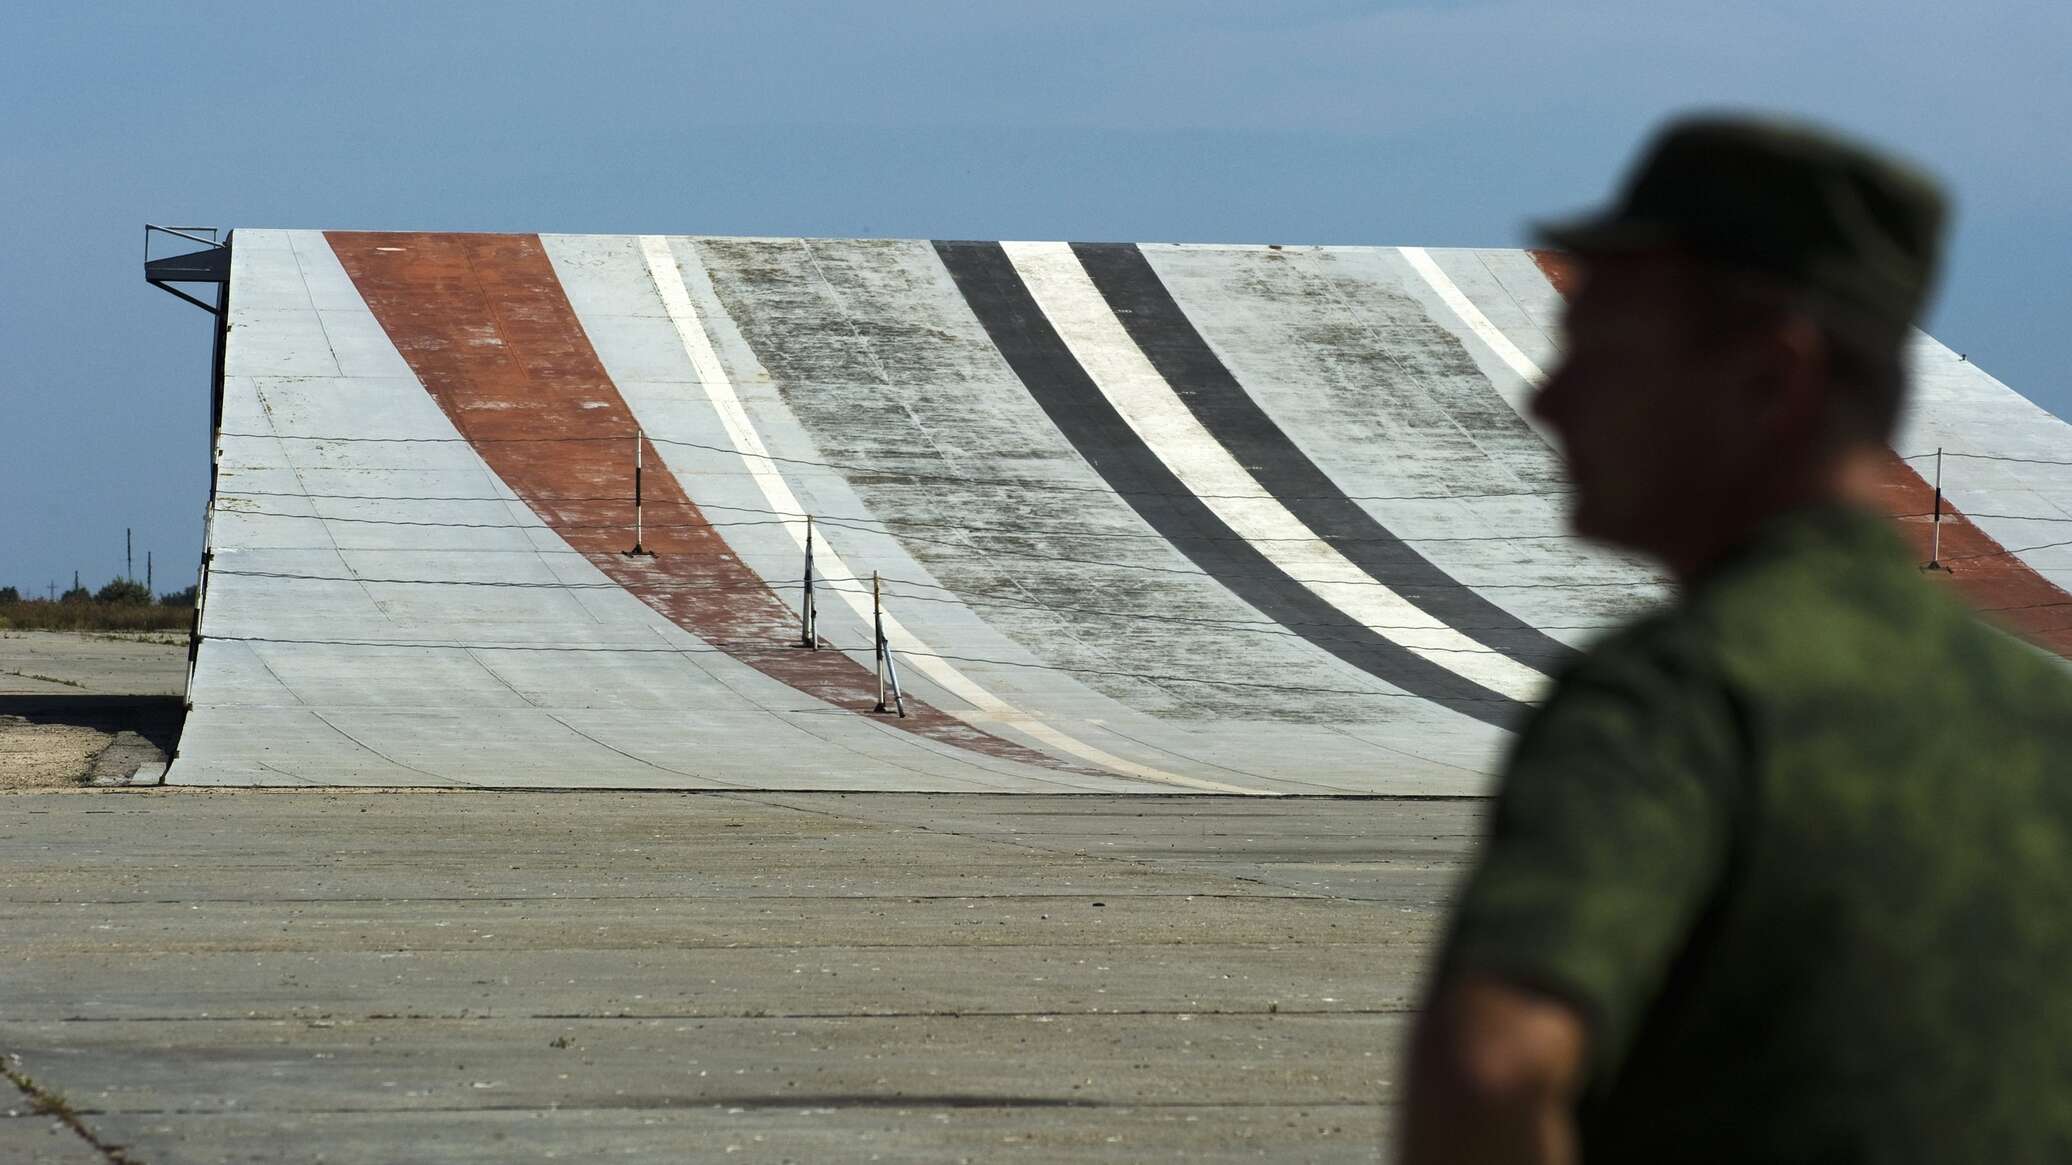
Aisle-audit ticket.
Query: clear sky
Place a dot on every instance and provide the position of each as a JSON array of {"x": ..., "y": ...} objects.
[{"x": 1439, "y": 123}]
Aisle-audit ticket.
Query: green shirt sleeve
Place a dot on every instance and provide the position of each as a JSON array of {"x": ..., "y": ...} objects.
[{"x": 1609, "y": 838}]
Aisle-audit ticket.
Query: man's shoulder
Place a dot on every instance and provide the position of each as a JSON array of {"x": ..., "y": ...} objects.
[
  {"x": 1671, "y": 648},
  {"x": 1822, "y": 626},
  {"x": 1832, "y": 603},
  {"x": 1661, "y": 678},
  {"x": 1826, "y": 623}
]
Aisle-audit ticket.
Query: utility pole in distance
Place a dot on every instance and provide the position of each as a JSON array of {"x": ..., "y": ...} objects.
[{"x": 129, "y": 555}]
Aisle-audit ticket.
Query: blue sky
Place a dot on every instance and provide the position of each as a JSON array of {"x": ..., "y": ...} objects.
[{"x": 1301, "y": 121}]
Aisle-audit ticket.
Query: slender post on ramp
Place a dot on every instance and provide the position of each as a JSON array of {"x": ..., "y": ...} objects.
[
  {"x": 892, "y": 674},
  {"x": 878, "y": 636},
  {"x": 639, "y": 457},
  {"x": 809, "y": 617},
  {"x": 888, "y": 671},
  {"x": 1935, "y": 526}
]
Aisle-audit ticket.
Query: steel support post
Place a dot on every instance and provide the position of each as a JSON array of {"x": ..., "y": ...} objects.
[
  {"x": 1935, "y": 524},
  {"x": 878, "y": 637},
  {"x": 639, "y": 550},
  {"x": 809, "y": 616}
]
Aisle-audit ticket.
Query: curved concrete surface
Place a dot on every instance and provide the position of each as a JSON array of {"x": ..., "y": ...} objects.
[{"x": 1220, "y": 519}]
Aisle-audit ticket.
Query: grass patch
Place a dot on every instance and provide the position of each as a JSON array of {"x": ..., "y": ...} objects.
[
  {"x": 161, "y": 638},
  {"x": 29, "y": 675}
]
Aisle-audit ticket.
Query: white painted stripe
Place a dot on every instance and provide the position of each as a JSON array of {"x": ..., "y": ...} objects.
[
  {"x": 986, "y": 707},
  {"x": 1075, "y": 307},
  {"x": 1518, "y": 394},
  {"x": 1450, "y": 293}
]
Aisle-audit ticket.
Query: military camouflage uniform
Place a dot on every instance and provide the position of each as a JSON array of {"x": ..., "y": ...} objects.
[{"x": 1800, "y": 848}]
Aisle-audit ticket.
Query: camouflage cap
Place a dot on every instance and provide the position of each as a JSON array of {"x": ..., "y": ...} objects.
[{"x": 1794, "y": 201}]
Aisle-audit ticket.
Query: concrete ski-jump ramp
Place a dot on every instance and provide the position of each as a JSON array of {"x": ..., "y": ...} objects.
[{"x": 1222, "y": 519}]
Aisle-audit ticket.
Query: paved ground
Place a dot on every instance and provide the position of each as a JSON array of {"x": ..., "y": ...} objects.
[
  {"x": 266, "y": 976},
  {"x": 123, "y": 663},
  {"x": 75, "y": 706}
]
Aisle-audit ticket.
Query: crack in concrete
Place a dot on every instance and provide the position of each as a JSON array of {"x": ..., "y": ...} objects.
[{"x": 45, "y": 1102}]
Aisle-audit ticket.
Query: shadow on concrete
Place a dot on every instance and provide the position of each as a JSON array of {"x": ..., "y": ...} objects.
[{"x": 155, "y": 718}]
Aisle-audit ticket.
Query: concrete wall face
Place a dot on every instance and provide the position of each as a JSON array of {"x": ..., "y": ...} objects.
[{"x": 1210, "y": 518}]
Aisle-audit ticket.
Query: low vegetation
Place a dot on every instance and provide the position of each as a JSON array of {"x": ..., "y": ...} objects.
[{"x": 122, "y": 605}]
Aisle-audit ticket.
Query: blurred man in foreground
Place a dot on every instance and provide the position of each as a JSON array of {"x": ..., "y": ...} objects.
[{"x": 1784, "y": 871}]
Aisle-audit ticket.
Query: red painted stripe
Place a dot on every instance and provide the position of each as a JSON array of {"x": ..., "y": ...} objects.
[
  {"x": 486, "y": 326},
  {"x": 1558, "y": 270},
  {"x": 1998, "y": 583}
]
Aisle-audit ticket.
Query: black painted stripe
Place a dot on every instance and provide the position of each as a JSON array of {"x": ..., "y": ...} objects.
[
  {"x": 1199, "y": 377},
  {"x": 1053, "y": 376}
]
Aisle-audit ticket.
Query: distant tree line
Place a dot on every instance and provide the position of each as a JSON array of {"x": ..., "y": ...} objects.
[
  {"x": 123, "y": 604},
  {"x": 121, "y": 592}
]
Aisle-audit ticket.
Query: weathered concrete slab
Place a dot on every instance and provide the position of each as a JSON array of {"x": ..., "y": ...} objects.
[
  {"x": 88, "y": 707},
  {"x": 1035, "y": 1061},
  {"x": 33, "y": 1139},
  {"x": 76, "y": 663},
  {"x": 1043, "y": 974},
  {"x": 938, "y": 1130},
  {"x": 1411, "y": 855},
  {"x": 214, "y": 976},
  {"x": 633, "y": 924}
]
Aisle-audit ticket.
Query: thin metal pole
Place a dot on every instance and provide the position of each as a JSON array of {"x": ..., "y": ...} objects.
[
  {"x": 888, "y": 670},
  {"x": 639, "y": 458},
  {"x": 147, "y": 573},
  {"x": 892, "y": 674},
  {"x": 1935, "y": 527},
  {"x": 878, "y": 636},
  {"x": 129, "y": 554},
  {"x": 809, "y": 617}
]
